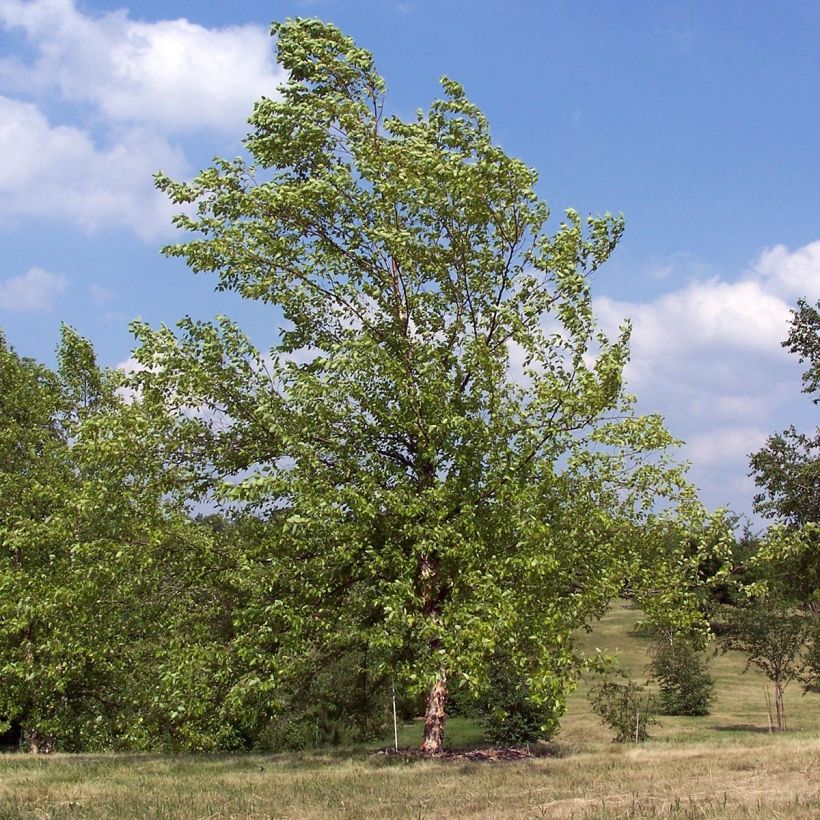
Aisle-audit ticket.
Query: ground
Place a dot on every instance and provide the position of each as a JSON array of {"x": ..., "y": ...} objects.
[{"x": 723, "y": 765}]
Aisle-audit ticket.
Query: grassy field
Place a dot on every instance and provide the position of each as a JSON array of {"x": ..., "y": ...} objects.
[{"x": 723, "y": 765}]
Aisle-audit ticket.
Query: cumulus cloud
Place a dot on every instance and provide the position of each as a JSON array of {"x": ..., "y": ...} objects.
[
  {"x": 790, "y": 274},
  {"x": 137, "y": 92},
  {"x": 34, "y": 291},
  {"x": 719, "y": 338},
  {"x": 59, "y": 171},
  {"x": 174, "y": 74},
  {"x": 709, "y": 357}
]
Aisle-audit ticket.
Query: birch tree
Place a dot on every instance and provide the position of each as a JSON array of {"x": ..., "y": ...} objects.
[{"x": 439, "y": 439}]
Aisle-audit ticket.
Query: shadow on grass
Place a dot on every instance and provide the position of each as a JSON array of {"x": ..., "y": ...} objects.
[{"x": 742, "y": 727}]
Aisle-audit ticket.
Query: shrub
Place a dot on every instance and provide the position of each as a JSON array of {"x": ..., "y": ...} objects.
[
  {"x": 508, "y": 713},
  {"x": 625, "y": 707},
  {"x": 685, "y": 687}
]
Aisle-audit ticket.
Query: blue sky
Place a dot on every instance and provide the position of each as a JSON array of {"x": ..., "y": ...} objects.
[{"x": 700, "y": 121}]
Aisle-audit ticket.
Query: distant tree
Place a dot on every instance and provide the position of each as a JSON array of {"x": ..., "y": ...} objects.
[
  {"x": 684, "y": 683},
  {"x": 787, "y": 469},
  {"x": 777, "y": 639},
  {"x": 440, "y": 443},
  {"x": 804, "y": 341}
]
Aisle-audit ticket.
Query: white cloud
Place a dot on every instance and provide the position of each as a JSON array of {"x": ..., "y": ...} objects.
[
  {"x": 725, "y": 445},
  {"x": 34, "y": 291},
  {"x": 59, "y": 171},
  {"x": 738, "y": 316},
  {"x": 136, "y": 92},
  {"x": 173, "y": 74},
  {"x": 791, "y": 274},
  {"x": 716, "y": 337},
  {"x": 709, "y": 357}
]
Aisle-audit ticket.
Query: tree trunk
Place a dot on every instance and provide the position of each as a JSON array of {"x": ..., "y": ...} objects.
[
  {"x": 38, "y": 744},
  {"x": 435, "y": 714},
  {"x": 780, "y": 713}
]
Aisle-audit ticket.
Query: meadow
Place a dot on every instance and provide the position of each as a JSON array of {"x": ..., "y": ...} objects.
[{"x": 725, "y": 764}]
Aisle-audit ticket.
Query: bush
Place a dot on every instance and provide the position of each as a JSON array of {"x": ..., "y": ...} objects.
[
  {"x": 686, "y": 688},
  {"x": 330, "y": 698},
  {"x": 508, "y": 713},
  {"x": 625, "y": 707}
]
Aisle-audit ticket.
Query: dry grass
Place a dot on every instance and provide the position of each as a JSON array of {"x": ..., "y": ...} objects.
[
  {"x": 695, "y": 767},
  {"x": 762, "y": 777}
]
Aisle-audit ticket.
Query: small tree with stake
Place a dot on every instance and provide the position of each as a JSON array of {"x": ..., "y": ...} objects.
[{"x": 775, "y": 637}]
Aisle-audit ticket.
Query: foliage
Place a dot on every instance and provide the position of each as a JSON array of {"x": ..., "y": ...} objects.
[
  {"x": 507, "y": 712},
  {"x": 787, "y": 468},
  {"x": 804, "y": 341},
  {"x": 328, "y": 700},
  {"x": 439, "y": 442},
  {"x": 773, "y": 635},
  {"x": 685, "y": 685},
  {"x": 111, "y": 598},
  {"x": 626, "y": 707}
]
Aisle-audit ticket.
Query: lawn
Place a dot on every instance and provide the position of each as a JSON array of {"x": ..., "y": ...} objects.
[{"x": 723, "y": 765}]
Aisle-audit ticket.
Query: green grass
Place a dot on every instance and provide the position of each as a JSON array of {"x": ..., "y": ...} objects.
[
  {"x": 723, "y": 765},
  {"x": 739, "y": 708}
]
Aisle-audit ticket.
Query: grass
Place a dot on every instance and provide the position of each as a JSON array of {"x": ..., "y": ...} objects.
[
  {"x": 723, "y": 765},
  {"x": 739, "y": 708}
]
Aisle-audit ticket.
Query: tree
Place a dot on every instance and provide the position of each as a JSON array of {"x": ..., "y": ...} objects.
[
  {"x": 787, "y": 469},
  {"x": 804, "y": 341},
  {"x": 108, "y": 617},
  {"x": 775, "y": 637},
  {"x": 685, "y": 686},
  {"x": 439, "y": 444},
  {"x": 33, "y": 469},
  {"x": 624, "y": 706}
]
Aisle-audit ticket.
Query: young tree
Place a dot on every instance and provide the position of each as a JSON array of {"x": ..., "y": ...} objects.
[
  {"x": 439, "y": 442},
  {"x": 776, "y": 638},
  {"x": 684, "y": 683}
]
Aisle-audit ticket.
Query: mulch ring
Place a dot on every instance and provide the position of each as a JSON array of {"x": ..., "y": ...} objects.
[{"x": 490, "y": 754}]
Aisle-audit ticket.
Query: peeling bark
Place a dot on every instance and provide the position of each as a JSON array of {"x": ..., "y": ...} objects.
[
  {"x": 435, "y": 714},
  {"x": 38, "y": 744}
]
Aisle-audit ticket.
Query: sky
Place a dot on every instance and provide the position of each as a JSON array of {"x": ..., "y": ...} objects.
[{"x": 699, "y": 121}]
